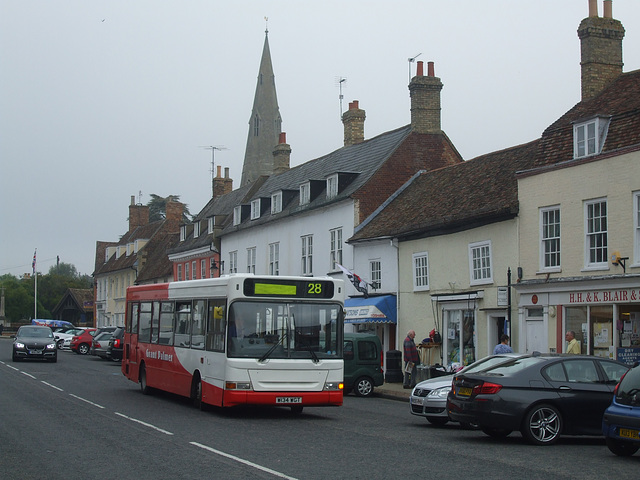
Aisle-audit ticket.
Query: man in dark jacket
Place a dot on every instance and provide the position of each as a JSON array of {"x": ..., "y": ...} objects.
[{"x": 410, "y": 356}]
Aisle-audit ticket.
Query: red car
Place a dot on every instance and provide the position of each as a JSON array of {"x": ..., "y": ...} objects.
[{"x": 82, "y": 343}]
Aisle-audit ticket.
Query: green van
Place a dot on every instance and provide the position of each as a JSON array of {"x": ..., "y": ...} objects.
[{"x": 362, "y": 363}]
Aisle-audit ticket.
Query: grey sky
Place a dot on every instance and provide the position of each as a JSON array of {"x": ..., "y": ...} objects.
[{"x": 103, "y": 99}]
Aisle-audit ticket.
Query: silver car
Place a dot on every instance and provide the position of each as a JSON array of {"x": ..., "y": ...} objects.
[{"x": 429, "y": 397}]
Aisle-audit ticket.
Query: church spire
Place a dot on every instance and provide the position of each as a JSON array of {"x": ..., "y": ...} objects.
[{"x": 265, "y": 122}]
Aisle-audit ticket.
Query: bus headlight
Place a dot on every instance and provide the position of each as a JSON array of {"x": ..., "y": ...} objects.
[
  {"x": 237, "y": 386},
  {"x": 333, "y": 386}
]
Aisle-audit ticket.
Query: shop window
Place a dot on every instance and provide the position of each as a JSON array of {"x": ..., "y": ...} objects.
[{"x": 459, "y": 328}]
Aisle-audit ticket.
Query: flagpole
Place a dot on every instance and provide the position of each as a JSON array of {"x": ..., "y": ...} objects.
[{"x": 35, "y": 273}]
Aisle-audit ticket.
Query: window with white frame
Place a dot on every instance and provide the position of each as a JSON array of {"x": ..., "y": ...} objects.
[
  {"x": 274, "y": 259},
  {"x": 194, "y": 271},
  {"x": 550, "y": 238},
  {"x": 480, "y": 263},
  {"x": 203, "y": 268},
  {"x": 307, "y": 255},
  {"x": 233, "y": 262},
  {"x": 335, "y": 246},
  {"x": 420, "y": 271},
  {"x": 589, "y": 136},
  {"x": 332, "y": 186},
  {"x": 375, "y": 273},
  {"x": 179, "y": 275},
  {"x": 237, "y": 215},
  {"x": 196, "y": 230},
  {"x": 183, "y": 233},
  {"x": 251, "y": 260},
  {"x": 255, "y": 209},
  {"x": 210, "y": 224},
  {"x": 305, "y": 193},
  {"x": 596, "y": 251},
  {"x": 276, "y": 203},
  {"x": 186, "y": 271},
  {"x": 636, "y": 221}
]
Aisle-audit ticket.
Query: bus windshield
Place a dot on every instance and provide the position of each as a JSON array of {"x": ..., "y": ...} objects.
[{"x": 278, "y": 329}]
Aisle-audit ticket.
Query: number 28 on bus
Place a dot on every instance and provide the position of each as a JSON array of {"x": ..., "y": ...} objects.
[{"x": 238, "y": 339}]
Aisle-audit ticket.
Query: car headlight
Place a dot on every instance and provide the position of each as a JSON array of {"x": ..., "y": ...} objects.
[
  {"x": 51, "y": 346},
  {"x": 440, "y": 393},
  {"x": 19, "y": 345}
]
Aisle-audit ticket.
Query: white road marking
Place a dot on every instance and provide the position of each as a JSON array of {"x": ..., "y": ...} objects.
[
  {"x": 143, "y": 423},
  {"x": 28, "y": 375},
  {"x": 52, "y": 386},
  {"x": 85, "y": 400},
  {"x": 241, "y": 460}
]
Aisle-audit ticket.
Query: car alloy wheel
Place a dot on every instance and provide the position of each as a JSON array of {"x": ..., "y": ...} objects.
[
  {"x": 542, "y": 425},
  {"x": 364, "y": 387},
  {"x": 83, "y": 349}
]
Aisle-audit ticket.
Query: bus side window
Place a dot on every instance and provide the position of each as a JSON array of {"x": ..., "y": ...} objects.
[
  {"x": 183, "y": 322},
  {"x": 215, "y": 326},
  {"x": 155, "y": 322},
  {"x": 165, "y": 336},
  {"x": 198, "y": 319},
  {"x": 145, "y": 322}
]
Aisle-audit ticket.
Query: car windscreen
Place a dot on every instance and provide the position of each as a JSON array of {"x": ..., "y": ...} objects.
[
  {"x": 628, "y": 392},
  {"x": 513, "y": 366}
]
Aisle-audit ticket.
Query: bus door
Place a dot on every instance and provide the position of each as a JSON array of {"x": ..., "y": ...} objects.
[{"x": 130, "y": 355}]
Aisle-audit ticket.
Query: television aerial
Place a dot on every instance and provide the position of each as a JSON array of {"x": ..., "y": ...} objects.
[{"x": 340, "y": 81}]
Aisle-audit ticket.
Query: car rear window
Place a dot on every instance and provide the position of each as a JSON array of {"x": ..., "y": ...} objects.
[
  {"x": 629, "y": 389},
  {"x": 514, "y": 366}
]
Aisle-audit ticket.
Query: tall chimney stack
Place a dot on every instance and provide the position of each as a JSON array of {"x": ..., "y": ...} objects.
[
  {"x": 425, "y": 100},
  {"x": 353, "y": 121},
  {"x": 281, "y": 155},
  {"x": 138, "y": 215},
  {"x": 600, "y": 49},
  {"x": 221, "y": 186}
]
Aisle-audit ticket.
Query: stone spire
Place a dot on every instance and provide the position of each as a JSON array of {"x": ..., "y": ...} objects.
[{"x": 265, "y": 123}]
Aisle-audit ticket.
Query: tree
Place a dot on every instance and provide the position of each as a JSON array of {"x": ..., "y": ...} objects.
[{"x": 158, "y": 208}]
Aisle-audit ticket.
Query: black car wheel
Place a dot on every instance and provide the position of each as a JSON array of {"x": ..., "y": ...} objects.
[
  {"x": 542, "y": 425},
  {"x": 364, "y": 387},
  {"x": 496, "y": 432},
  {"x": 15, "y": 358},
  {"x": 83, "y": 349},
  {"x": 60, "y": 344},
  {"x": 144, "y": 388},
  {"x": 622, "y": 448}
]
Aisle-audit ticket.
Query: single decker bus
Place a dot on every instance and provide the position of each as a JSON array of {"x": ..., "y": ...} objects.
[{"x": 240, "y": 339}]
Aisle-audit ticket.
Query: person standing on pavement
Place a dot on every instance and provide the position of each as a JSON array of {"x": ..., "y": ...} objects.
[
  {"x": 503, "y": 346},
  {"x": 411, "y": 360},
  {"x": 573, "y": 347}
]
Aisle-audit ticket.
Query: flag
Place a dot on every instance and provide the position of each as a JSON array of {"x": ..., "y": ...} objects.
[
  {"x": 360, "y": 284},
  {"x": 33, "y": 264}
]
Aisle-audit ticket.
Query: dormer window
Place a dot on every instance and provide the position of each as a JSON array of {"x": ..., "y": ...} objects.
[
  {"x": 255, "y": 209},
  {"x": 196, "y": 230},
  {"x": 305, "y": 193},
  {"x": 276, "y": 203},
  {"x": 332, "y": 186},
  {"x": 183, "y": 233},
  {"x": 211, "y": 224},
  {"x": 237, "y": 215},
  {"x": 589, "y": 136}
]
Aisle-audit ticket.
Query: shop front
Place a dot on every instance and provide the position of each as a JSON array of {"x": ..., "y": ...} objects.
[{"x": 603, "y": 313}]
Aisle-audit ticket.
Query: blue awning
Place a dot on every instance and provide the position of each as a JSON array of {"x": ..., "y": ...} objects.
[{"x": 380, "y": 309}]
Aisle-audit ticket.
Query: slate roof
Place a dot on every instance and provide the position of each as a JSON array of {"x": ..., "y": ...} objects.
[
  {"x": 359, "y": 164},
  {"x": 156, "y": 262},
  {"x": 479, "y": 191}
]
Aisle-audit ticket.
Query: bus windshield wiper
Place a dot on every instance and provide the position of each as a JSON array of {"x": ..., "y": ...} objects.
[
  {"x": 307, "y": 345},
  {"x": 273, "y": 347}
]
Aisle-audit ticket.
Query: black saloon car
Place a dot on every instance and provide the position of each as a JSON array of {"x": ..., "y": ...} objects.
[
  {"x": 542, "y": 396},
  {"x": 114, "y": 350},
  {"x": 35, "y": 341}
]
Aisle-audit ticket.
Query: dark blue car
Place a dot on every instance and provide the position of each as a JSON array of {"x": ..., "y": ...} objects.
[{"x": 621, "y": 421}]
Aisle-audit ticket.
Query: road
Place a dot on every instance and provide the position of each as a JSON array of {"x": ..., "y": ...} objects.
[{"x": 80, "y": 418}]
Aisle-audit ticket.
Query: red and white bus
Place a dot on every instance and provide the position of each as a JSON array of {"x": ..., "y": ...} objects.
[{"x": 238, "y": 339}]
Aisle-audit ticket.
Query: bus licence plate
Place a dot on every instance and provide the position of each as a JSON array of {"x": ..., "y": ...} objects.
[
  {"x": 288, "y": 399},
  {"x": 628, "y": 433}
]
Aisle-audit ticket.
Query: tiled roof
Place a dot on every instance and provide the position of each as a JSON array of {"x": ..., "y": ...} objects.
[
  {"x": 454, "y": 198},
  {"x": 156, "y": 262},
  {"x": 620, "y": 100}
]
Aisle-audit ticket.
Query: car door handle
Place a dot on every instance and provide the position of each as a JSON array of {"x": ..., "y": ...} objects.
[{"x": 564, "y": 387}]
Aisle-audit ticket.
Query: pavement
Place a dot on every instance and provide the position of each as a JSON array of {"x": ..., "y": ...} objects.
[{"x": 393, "y": 391}]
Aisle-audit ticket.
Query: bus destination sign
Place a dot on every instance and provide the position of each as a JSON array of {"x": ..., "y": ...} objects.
[{"x": 264, "y": 287}]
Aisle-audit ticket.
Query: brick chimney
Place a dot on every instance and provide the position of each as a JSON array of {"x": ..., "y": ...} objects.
[
  {"x": 282, "y": 155},
  {"x": 138, "y": 215},
  {"x": 425, "y": 101},
  {"x": 222, "y": 186},
  {"x": 174, "y": 212},
  {"x": 353, "y": 121},
  {"x": 600, "y": 48}
]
